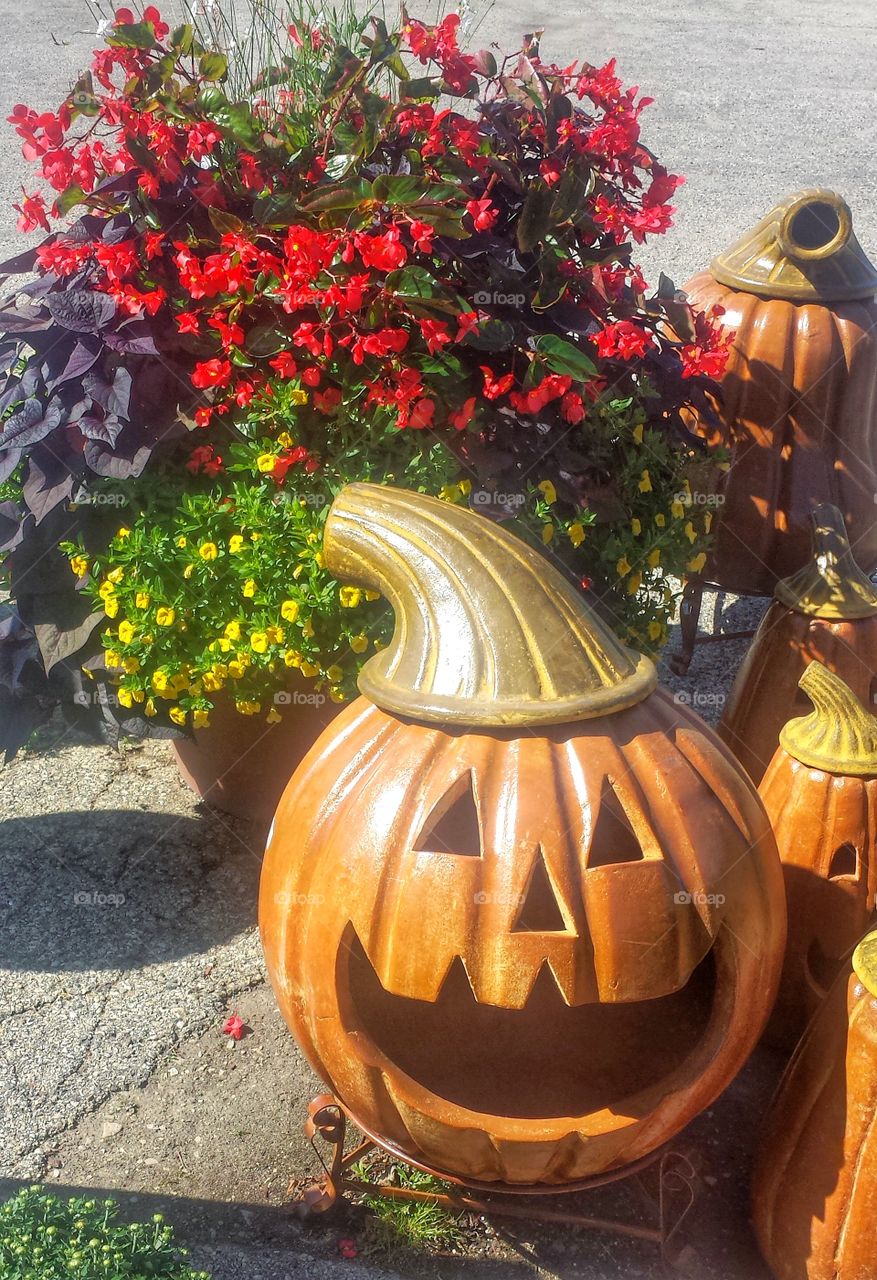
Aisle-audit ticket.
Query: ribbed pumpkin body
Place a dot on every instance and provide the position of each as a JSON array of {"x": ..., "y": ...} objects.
[
  {"x": 826, "y": 831},
  {"x": 765, "y": 692},
  {"x": 814, "y": 1201},
  {"x": 549, "y": 983},
  {"x": 799, "y": 414}
]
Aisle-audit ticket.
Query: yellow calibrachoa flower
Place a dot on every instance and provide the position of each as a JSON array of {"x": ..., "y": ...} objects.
[
  {"x": 656, "y": 629},
  {"x": 359, "y": 643},
  {"x": 547, "y": 533},
  {"x": 466, "y": 487},
  {"x": 247, "y": 708},
  {"x": 275, "y": 634},
  {"x": 695, "y": 565},
  {"x": 131, "y": 665},
  {"x": 638, "y": 433},
  {"x": 106, "y": 589},
  {"x": 178, "y": 715},
  {"x": 298, "y": 396},
  {"x": 645, "y": 483},
  {"x": 372, "y": 595},
  {"x": 576, "y": 532},
  {"x": 274, "y": 716},
  {"x": 308, "y": 629},
  {"x": 549, "y": 491},
  {"x": 707, "y": 521},
  {"x": 266, "y": 462},
  {"x": 309, "y": 669},
  {"x": 285, "y": 439},
  {"x": 677, "y": 510},
  {"x": 249, "y": 588},
  {"x": 212, "y": 682},
  {"x": 79, "y": 565},
  {"x": 149, "y": 709},
  {"x": 337, "y": 695},
  {"x": 289, "y": 610},
  {"x": 660, "y": 520},
  {"x": 654, "y": 558},
  {"x": 124, "y": 696},
  {"x": 622, "y": 568},
  {"x": 201, "y": 719},
  {"x": 181, "y": 541},
  {"x": 233, "y": 630},
  {"x": 127, "y": 631},
  {"x": 690, "y": 532},
  {"x": 635, "y": 527},
  {"x": 334, "y": 673},
  {"x": 165, "y": 615},
  {"x": 116, "y": 575},
  {"x": 188, "y": 571},
  {"x": 159, "y": 680},
  {"x": 123, "y": 533},
  {"x": 349, "y": 597},
  {"x": 111, "y": 607},
  {"x": 292, "y": 658},
  {"x": 142, "y": 599},
  {"x": 255, "y": 536},
  {"x": 235, "y": 542},
  {"x": 208, "y": 551},
  {"x": 112, "y": 659},
  {"x": 634, "y": 582},
  {"x": 259, "y": 641}
]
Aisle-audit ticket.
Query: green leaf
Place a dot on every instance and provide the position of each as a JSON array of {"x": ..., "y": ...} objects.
[
  {"x": 491, "y": 335},
  {"x": 485, "y": 62},
  {"x": 225, "y": 223},
  {"x": 563, "y": 357},
  {"x": 340, "y": 195},
  {"x": 133, "y": 35},
  {"x": 344, "y": 68},
  {"x": 338, "y": 165},
  {"x": 213, "y": 66},
  {"x": 535, "y": 220},
  {"x": 422, "y": 87},
  {"x": 412, "y": 282},
  {"x": 69, "y": 199},
  {"x": 570, "y": 193},
  {"x": 265, "y": 340},
  {"x": 183, "y": 39}
]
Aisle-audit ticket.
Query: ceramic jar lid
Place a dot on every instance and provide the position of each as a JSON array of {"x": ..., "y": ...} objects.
[
  {"x": 838, "y": 735},
  {"x": 831, "y": 584}
]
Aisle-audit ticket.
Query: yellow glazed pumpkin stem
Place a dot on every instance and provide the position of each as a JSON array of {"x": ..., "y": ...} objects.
[
  {"x": 831, "y": 584},
  {"x": 803, "y": 250},
  {"x": 487, "y": 631},
  {"x": 839, "y": 735},
  {"x": 865, "y": 962}
]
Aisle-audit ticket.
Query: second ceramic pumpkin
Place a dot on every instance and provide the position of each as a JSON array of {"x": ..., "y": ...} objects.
[{"x": 799, "y": 393}]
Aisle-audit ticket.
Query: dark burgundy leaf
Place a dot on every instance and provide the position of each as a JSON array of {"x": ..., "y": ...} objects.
[
  {"x": 47, "y": 483},
  {"x": 104, "y": 429},
  {"x": 11, "y": 526},
  {"x": 23, "y": 320},
  {"x": 115, "y": 466},
  {"x": 82, "y": 310},
  {"x": 134, "y": 338},
  {"x": 21, "y": 263},
  {"x": 115, "y": 397},
  {"x": 8, "y": 462},
  {"x": 60, "y": 641},
  {"x": 63, "y": 364},
  {"x": 30, "y": 424}
]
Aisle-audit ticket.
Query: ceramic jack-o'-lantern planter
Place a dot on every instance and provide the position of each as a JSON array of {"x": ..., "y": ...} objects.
[
  {"x": 814, "y": 1196},
  {"x": 799, "y": 392},
  {"x": 523, "y": 912},
  {"x": 827, "y": 612},
  {"x": 820, "y": 793}
]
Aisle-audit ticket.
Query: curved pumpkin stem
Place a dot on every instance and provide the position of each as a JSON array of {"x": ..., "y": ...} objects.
[
  {"x": 831, "y": 585},
  {"x": 839, "y": 736},
  {"x": 804, "y": 249},
  {"x": 487, "y": 631},
  {"x": 865, "y": 962}
]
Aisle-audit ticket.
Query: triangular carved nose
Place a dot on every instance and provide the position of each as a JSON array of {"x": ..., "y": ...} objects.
[{"x": 540, "y": 911}]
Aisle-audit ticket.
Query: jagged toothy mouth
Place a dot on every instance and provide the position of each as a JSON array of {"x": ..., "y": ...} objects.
[{"x": 545, "y": 1060}]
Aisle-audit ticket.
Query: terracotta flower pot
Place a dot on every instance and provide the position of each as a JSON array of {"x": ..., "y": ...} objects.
[
  {"x": 799, "y": 393},
  {"x": 523, "y": 913},
  {"x": 814, "y": 1195},
  {"x": 240, "y": 764},
  {"x": 826, "y": 612},
  {"x": 820, "y": 793}
]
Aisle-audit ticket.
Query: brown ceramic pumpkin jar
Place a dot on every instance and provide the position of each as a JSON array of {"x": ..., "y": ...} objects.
[
  {"x": 799, "y": 393},
  {"x": 814, "y": 1197},
  {"x": 820, "y": 793},
  {"x": 523, "y": 913},
  {"x": 827, "y": 612}
]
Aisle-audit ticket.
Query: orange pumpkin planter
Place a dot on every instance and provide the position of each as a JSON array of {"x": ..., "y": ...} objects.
[
  {"x": 814, "y": 1199},
  {"x": 523, "y": 913},
  {"x": 826, "y": 612},
  {"x": 799, "y": 391},
  {"x": 820, "y": 794}
]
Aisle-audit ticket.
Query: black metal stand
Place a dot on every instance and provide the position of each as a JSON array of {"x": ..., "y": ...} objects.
[
  {"x": 689, "y": 622},
  {"x": 670, "y": 1203}
]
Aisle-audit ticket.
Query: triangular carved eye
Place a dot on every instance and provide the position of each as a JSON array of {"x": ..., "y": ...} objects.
[
  {"x": 453, "y": 825},
  {"x": 540, "y": 911},
  {"x": 614, "y": 839},
  {"x": 844, "y": 861}
]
